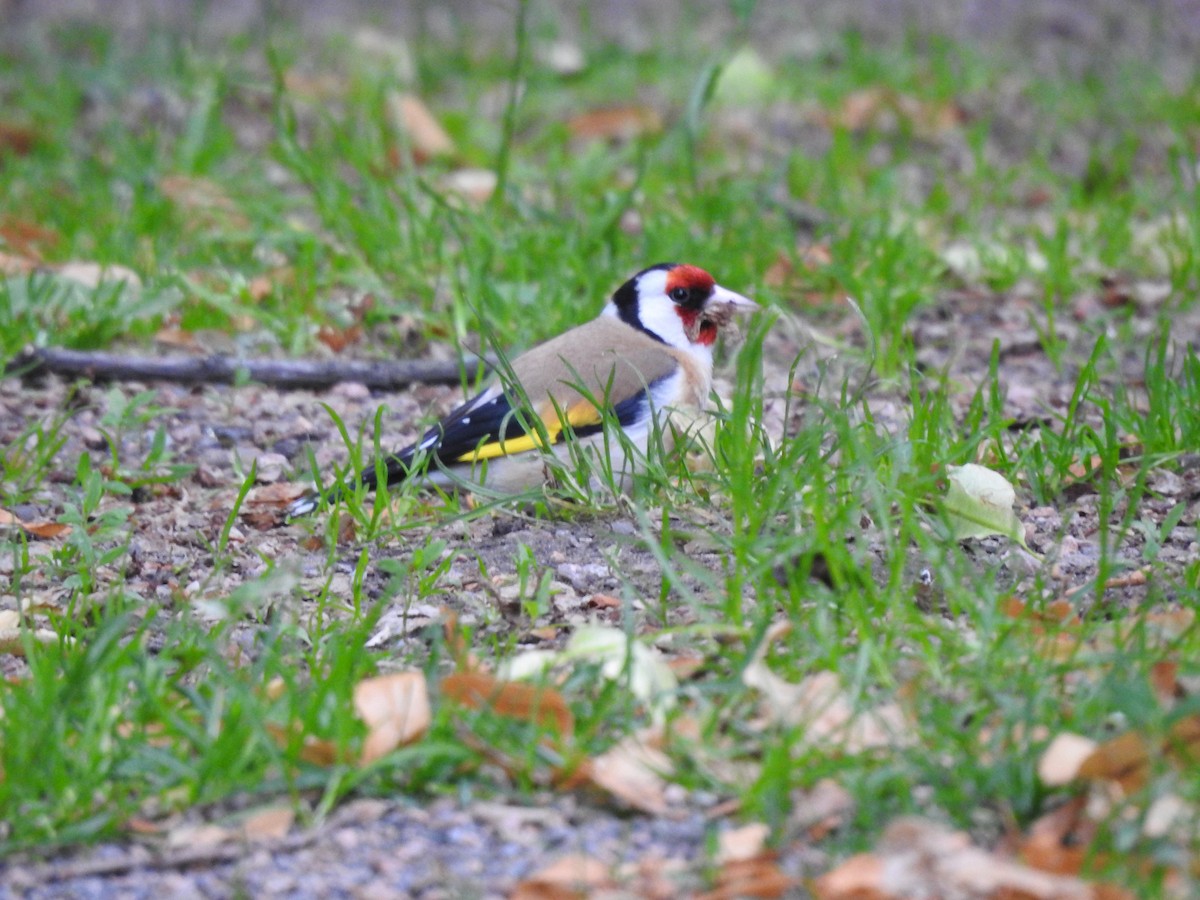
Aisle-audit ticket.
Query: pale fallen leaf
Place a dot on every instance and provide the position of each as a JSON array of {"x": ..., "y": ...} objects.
[
  {"x": 979, "y": 502},
  {"x": 821, "y": 707},
  {"x": 426, "y": 137},
  {"x": 755, "y": 876},
  {"x": 203, "y": 203},
  {"x": 569, "y": 878},
  {"x": 746, "y": 79},
  {"x": 633, "y": 772},
  {"x": 267, "y": 824},
  {"x": 395, "y": 709},
  {"x": 651, "y": 679},
  {"x": 919, "y": 858},
  {"x": 743, "y": 843},
  {"x": 822, "y": 809},
  {"x": 93, "y": 275},
  {"x": 199, "y": 837},
  {"x": 473, "y": 185},
  {"x": 276, "y": 495},
  {"x": 11, "y": 634},
  {"x": 1061, "y": 760},
  {"x": 561, "y": 57}
]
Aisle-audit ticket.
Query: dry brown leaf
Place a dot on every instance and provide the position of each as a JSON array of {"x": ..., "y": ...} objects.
[
  {"x": 142, "y": 826},
  {"x": 395, "y": 709},
  {"x": 743, "y": 843},
  {"x": 858, "y": 878},
  {"x": 279, "y": 494},
  {"x": 632, "y": 771},
  {"x": 886, "y": 109},
  {"x": 1058, "y": 841},
  {"x": 1061, "y": 761},
  {"x": 1124, "y": 759},
  {"x": 780, "y": 272},
  {"x": 338, "y": 339},
  {"x": 199, "y": 836},
  {"x": 758, "y": 876},
  {"x": 27, "y": 239},
  {"x": 822, "y": 809},
  {"x": 260, "y": 287},
  {"x": 43, "y": 530},
  {"x": 314, "y": 750},
  {"x": 574, "y": 877},
  {"x": 18, "y": 139},
  {"x": 918, "y": 858},
  {"x": 204, "y": 203},
  {"x": 615, "y": 123},
  {"x": 516, "y": 700},
  {"x": 267, "y": 824},
  {"x": 1183, "y": 743},
  {"x": 1164, "y": 679},
  {"x": 179, "y": 339},
  {"x": 821, "y": 707},
  {"x": 426, "y": 137},
  {"x": 314, "y": 85}
]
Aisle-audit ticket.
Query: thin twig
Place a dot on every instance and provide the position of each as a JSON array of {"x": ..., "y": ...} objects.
[{"x": 292, "y": 374}]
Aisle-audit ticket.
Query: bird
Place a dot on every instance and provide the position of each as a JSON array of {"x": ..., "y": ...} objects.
[{"x": 649, "y": 353}]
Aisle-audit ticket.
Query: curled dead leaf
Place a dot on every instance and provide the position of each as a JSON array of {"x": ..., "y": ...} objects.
[
  {"x": 395, "y": 709},
  {"x": 203, "y": 203},
  {"x": 631, "y": 771},
  {"x": 919, "y": 858},
  {"x": 1061, "y": 761},
  {"x": 526, "y": 702},
  {"x": 314, "y": 750},
  {"x": 615, "y": 123},
  {"x": 819, "y": 704},
  {"x": 568, "y": 878},
  {"x": 426, "y": 138},
  {"x": 276, "y": 495},
  {"x": 269, "y": 823},
  {"x": 18, "y": 139}
]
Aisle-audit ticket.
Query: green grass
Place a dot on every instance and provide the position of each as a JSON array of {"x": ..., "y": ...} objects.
[{"x": 143, "y": 707}]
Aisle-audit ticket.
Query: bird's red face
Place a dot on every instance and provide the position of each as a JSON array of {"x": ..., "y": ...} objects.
[
  {"x": 689, "y": 287},
  {"x": 680, "y": 305}
]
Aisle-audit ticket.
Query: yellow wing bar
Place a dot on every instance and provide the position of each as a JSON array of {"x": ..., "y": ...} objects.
[{"x": 578, "y": 415}]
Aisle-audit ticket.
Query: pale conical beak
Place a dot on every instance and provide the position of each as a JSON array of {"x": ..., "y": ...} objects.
[{"x": 736, "y": 302}]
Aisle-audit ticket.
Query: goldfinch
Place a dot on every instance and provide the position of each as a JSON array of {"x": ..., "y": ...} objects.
[{"x": 649, "y": 352}]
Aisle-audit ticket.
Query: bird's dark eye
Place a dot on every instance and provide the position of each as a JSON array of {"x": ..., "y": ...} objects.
[{"x": 679, "y": 295}]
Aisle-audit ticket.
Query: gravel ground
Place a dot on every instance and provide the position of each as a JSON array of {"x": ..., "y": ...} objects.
[{"x": 466, "y": 847}]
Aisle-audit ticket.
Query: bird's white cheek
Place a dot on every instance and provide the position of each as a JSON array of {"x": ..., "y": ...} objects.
[{"x": 663, "y": 320}]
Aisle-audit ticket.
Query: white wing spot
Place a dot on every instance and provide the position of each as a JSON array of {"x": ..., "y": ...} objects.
[
  {"x": 466, "y": 420},
  {"x": 427, "y": 443}
]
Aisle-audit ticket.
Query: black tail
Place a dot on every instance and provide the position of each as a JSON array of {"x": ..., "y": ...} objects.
[{"x": 397, "y": 469}]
